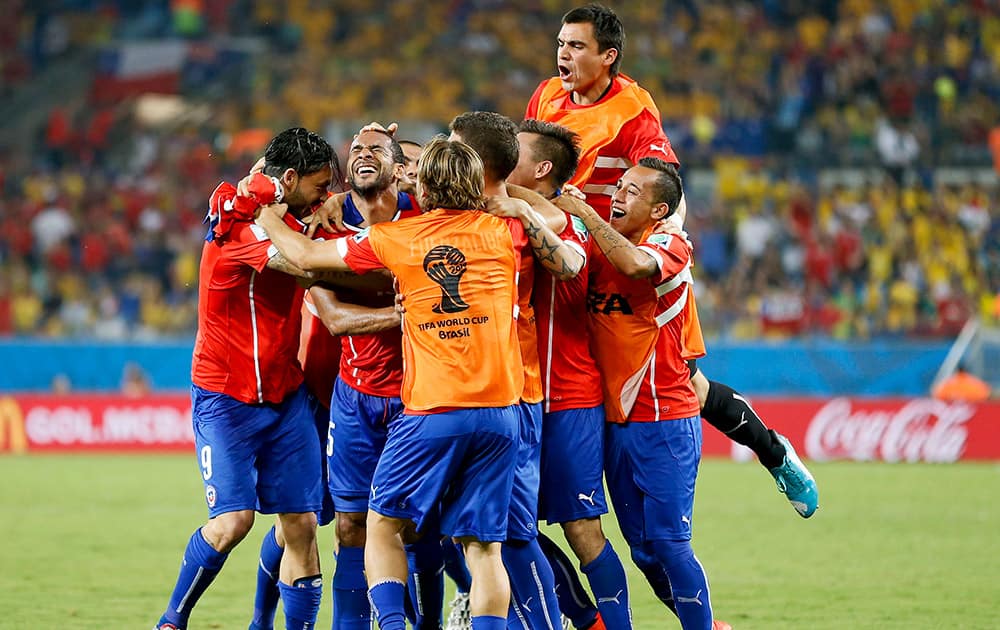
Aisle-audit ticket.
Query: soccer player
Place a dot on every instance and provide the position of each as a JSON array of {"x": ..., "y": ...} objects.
[
  {"x": 254, "y": 429},
  {"x": 494, "y": 138},
  {"x": 572, "y": 468},
  {"x": 640, "y": 282},
  {"x": 362, "y": 400},
  {"x": 618, "y": 124},
  {"x": 412, "y": 152},
  {"x": 366, "y": 394},
  {"x": 455, "y": 445}
]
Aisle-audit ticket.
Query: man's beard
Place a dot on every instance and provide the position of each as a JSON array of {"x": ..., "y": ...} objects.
[{"x": 381, "y": 183}]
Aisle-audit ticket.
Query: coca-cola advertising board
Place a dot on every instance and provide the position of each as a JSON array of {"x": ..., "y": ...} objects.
[
  {"x": 860, "y": 429},
  {"x": 879, "y": 429}
]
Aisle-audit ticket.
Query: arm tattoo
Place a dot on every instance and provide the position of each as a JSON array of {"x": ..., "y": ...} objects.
[{"x": 278, "y": 262}]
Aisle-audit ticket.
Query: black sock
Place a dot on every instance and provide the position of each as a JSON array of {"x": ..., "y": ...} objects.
[{"x": 729, "y": 412}]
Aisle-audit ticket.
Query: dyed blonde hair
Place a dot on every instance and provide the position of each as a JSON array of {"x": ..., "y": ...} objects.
[{"x": 450, "y": 175}]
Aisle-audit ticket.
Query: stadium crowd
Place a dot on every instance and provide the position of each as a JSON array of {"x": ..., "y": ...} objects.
[{"x": 101, "y": 218}]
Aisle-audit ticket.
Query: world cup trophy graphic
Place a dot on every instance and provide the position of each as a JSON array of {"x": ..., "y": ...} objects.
[{"x": 445, "y": 265}]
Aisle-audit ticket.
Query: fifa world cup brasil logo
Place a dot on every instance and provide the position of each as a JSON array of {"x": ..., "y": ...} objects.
[{"x": 445, "y": 265}]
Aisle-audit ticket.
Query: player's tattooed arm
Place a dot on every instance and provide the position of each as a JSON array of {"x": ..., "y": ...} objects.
[
  {"x": 279, "y": 263},
  {"x": 297, "y": 249},
  {"x": 548, "y": 211},
  {"x": 620, "y": 252},
  {"x": 559, "y": 258},
  {"x": 344, "y": 318}
]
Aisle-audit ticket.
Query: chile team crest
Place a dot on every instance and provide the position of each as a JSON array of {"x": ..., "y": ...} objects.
[{"x": 445, "y": 265}]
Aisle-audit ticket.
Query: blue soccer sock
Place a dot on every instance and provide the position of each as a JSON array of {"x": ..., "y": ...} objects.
[
  {"x": 301, "y": 601},
  {"x": 532, "y": 585},
  {"x": 688, "y": 582},
  {"x": 574, "y": 601},
  {"x": 265, "y": 601},
  {"x": 351, "y": 610},
  {"x": 488, "y": 622},
  {"x": 200, "y": 565},
  {"x": 645, "y": 558},
  {"x": 386, "y": 600},
  {"x": 426, "y": 582},
  {"x": 454, "y": 565},
  {"x": 607, "y": 579}
]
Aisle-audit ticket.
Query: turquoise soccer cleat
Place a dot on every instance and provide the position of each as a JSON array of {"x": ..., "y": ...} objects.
[{"x": 795, "y": 481}]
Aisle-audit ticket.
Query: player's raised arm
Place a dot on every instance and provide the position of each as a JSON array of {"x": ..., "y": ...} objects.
[
  {"x": 298, "y": 249},
  {"x": 560, "y": 258},
  {"x": 553, "y": 217}
]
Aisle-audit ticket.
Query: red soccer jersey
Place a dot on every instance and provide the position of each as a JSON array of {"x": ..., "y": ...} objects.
[
  {"x": 457, "y": 271},
  {"x": 639, "y": 335},
  {"x": 615, "y": 133},
  {"x": 373, "y": 363},
  {"x": 527, "y": 333},
  {"x": 319, "y": 354},
  {"x": 249, "y": 318},
  {"x": 569, "y": 374}
]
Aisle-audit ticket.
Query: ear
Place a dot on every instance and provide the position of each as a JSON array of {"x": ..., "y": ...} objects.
[
  {"x": 660, "y": 211},
  {"x": 398, "y": 171},
  {"x": 609, "y": 56},
  {"x": 290, "y": 178},
  {"x": 542, "y": 169}
]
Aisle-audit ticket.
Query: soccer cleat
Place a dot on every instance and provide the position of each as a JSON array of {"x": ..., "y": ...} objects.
[
  {"x": 459, "y": 617},
  {"x": 795, "y": 481},
  {"x": 720, "y": 625},
  {"x": 165, "y": 626}
]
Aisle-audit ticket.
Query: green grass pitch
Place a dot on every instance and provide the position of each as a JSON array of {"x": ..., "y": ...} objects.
[{"x": 95, "y": 542}]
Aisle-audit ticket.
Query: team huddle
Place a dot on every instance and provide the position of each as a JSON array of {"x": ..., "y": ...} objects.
[{"x": 479, "y": 333}]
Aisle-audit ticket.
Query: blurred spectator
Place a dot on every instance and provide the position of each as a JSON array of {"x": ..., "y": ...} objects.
[
  {"x": 897, "y": 148},
  {"x": 962, "y": 386},
  {"x": 135, "y": 383}
]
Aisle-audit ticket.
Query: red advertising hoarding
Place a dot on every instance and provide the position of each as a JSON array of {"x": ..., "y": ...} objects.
[{"x": 860, "y": 429}]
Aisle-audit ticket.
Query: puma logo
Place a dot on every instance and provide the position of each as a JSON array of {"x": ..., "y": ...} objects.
[
  {"x": 689, "y": 600},
  {"x": 608, "y": 600},
  {"x": 588, "y": 498},
  {"x": 662, "y": 148}
]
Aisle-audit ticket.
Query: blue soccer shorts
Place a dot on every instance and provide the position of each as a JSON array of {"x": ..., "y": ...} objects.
[
  {"x": 359, "y": 425},
  {"x": 461, "y": 461},
  {"x": 572, "y": 485},
  {"x": 522, "y": 524},
  {"x": 651, "y": 469},
  {"x": 260, "y": 457}
]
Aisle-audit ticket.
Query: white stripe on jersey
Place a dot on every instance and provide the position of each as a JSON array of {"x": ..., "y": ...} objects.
[
  {"x": 256, "y": 344},
  {"x": 611, "y": 162},
  {"x": 597, "y": 189},
  {"x": 652, "y": 387}
]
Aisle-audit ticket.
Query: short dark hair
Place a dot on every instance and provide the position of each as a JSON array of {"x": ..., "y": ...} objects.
[
  {"x": 668, "y": 187},
  {"x": 299, "y": 149},
  {"x": 493, "y": 136},
  {"x": 555, "y": 144},
  {"x": 608, "y": 29}
]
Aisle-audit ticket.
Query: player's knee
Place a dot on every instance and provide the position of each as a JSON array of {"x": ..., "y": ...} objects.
[
  {"x": 225, "y": 531},
  {"x": 298, "y": 529},
  {"x": 643, "y": 555},
  {"x": 585, "y": 538},
  {"x": 351, "y": 529}
]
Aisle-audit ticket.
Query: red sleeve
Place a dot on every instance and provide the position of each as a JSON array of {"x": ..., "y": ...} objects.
[
  {"x": 532, "y": 110},
  {"x": 575, "y": 234},
  {"x": 358, "y": 252},
  {"x": 248, "y": 244},
  {"x": 646, "y": 138},
  {"x": 672, "y": 255}
]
